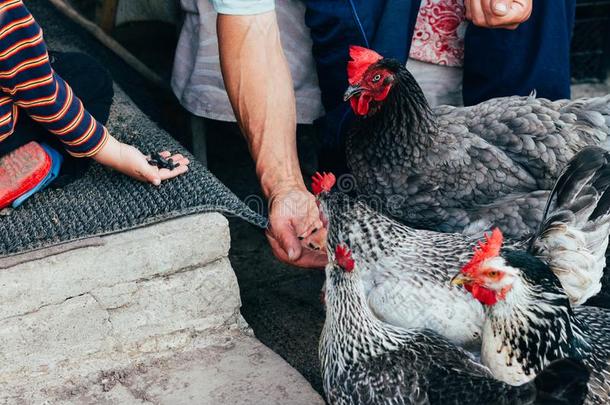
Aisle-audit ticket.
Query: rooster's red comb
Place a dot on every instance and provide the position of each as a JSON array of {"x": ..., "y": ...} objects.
[
  {"x": 343, "y": 257},
  {"x": 485, "y": 250},
  {"x": 362, "y": 58},
  {"x": 322, "y": 183}
]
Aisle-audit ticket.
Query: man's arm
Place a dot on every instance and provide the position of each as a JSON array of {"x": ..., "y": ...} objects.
[{"x": 260, "y": 88}]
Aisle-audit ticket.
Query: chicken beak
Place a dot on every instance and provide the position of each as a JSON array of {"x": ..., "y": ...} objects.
[
  {"x": 461, "y": 279},
  {"x": 351, "y": 91}
]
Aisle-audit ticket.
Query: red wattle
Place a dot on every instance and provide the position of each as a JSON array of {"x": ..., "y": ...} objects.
[
  {"x": 362, "y": 107},
  {"x": 484, "y": 295}
]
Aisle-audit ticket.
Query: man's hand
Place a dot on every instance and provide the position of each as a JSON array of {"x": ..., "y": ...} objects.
[
  {"x": 506, "y": 14},
  {"x": 295, "y": 221},
  {"x": 130, "y": 161},
  {"x": 258, "y": 82}
]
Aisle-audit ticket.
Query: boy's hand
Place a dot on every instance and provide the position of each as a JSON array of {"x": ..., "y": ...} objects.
[{"x": 130, "y": 161}]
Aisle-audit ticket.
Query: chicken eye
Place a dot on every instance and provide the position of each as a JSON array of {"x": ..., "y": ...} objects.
[
  {"x": 493, "y": 273},
  {"x": 376, "y": 78}
]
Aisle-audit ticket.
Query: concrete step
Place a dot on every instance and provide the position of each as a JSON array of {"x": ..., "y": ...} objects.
[{"x": 162, "y": 297}]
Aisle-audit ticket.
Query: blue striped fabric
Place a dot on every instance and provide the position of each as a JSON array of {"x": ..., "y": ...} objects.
[{"x": 29, "y": 85}]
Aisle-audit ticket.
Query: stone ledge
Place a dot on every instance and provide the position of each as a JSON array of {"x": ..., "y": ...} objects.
[
  {"x": 107, "y": 327},
  {"x": 147, "y": 315},
  {"x": 133, "y": 256}
]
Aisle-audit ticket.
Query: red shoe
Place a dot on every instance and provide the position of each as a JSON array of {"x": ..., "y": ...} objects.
[{"x": 21, "y": 171}]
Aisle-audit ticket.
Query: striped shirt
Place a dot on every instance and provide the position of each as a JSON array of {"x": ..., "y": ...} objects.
[{"x": 29, "y": 85}]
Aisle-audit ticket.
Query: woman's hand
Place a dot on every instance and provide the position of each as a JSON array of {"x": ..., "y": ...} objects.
[{"x": 130, "y": 161}]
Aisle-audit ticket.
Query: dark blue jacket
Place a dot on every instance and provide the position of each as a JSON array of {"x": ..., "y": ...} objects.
[{"x": 497, "y": 62}]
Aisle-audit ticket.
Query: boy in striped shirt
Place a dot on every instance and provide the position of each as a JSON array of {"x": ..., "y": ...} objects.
[{"x": 37, "y": 104}]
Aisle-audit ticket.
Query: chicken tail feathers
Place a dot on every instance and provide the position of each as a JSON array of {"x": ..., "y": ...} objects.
[
  {"x": 573, "y": 235},
  {"x": 563, "y": 382}
]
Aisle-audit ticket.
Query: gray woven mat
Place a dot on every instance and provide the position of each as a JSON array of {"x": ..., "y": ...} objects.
[{"x": 102, "y": 201}]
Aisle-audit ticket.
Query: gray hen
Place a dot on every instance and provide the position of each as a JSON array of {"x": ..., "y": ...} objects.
[
  {"x": 365, "y": 361},
  {"x": 461, "y": 169}
]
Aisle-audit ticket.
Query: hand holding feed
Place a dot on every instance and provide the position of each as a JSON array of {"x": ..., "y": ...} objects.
[{"x": 130, "y": 161}]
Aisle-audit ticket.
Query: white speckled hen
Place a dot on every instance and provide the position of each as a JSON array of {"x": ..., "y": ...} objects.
[
  {"x": 365, "y": 361},
  {"x": 461, "y": 169},
  {"x": 406, "y": 271},
  {"x": 529, "y": 321}
]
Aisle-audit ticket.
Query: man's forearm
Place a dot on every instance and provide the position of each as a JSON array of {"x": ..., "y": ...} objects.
[{"x": 260, "y": 88}]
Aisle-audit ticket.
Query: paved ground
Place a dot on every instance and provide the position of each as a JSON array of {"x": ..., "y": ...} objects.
[{"x": 591, "y": 89}]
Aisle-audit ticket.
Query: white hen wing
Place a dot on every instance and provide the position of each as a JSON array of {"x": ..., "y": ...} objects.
[{"x": 409, "y": 298}]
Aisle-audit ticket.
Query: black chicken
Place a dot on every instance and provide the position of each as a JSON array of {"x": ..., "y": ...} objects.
[
  {"x": 530, "y": 322},
  {"x": 461, "y": 169},
  {"x": 365, "y": 361}
]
